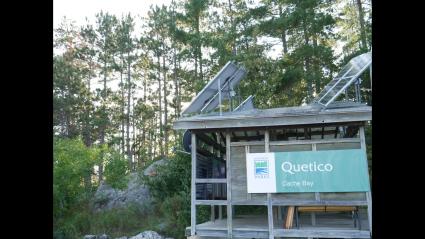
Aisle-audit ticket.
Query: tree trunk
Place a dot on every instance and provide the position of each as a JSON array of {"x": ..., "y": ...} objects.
[
  {"x": 176, "y": 94},
  {"x": 144, "y": 120},
  {"x": 307, "y": 64},
  {"x": 134, "y": 137},
  {"x": 316, "y": 74},
  {"x": 165, "y": 107},
  {"x": 161, "y": 150},
  {"x": 362, "y": 28},
  {"x": 232, "y": 27},
  {"x": 128, "y": 112},
  {"x": 103, "y": 126},
  {"x": 284, "y": 43},
  {"x": 122, "y": 113}
]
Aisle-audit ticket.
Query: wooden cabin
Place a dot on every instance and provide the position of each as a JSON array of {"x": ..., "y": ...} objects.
[{"x": 220, "y": 145}]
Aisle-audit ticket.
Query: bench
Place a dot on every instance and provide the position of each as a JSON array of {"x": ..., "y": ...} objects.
[{"x": 313, "y": 209}]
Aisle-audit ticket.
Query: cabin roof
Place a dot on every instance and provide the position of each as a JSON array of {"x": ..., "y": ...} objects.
[{"x": 299, "y": 115}]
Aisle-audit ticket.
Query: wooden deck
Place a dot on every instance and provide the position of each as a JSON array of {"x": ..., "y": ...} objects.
[{"x": 327, "y": 225}]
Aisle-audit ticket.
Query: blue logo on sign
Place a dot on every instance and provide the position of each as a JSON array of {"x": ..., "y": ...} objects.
[{"x": 261, "y": 168}]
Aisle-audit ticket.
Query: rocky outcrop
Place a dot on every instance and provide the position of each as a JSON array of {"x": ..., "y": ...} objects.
[
  {"x": 107, "y": 197},
  {"x": 142, "y": 235},
  {"x": 136, "y": 192},
  {"x": 151, "y": 170},
  {"x": 103, "y": 236},
  {"x": 147, "y": 235}
]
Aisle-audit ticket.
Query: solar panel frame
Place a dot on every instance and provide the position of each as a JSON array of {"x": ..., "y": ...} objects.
[
  {"x": 334, "y": 88},
  {"x": 247, "y": 104},
  {"x": 207, "y": 99},
  {"x": 225, "y": 93}
]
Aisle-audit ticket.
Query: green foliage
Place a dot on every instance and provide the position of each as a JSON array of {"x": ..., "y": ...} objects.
[
  {"x": 73, "y": 166},
  {"x": 172, "y": 178},
  {"x": 176, "y": 213},
  {"x": 115, "y": 222},
  {"x": 116, "y": 170},
  {"x": 171, "y": 191}
]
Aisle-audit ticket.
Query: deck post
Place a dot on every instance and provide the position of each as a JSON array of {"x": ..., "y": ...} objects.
[
  {"x": 193, "y": 186},
  {"x": 368, "y": 194},
  {"x": 316, "y": 194},
  {"x": 269, "y": 195},
  {"x": 247, "y": 150},
  {"x": 229, "y": 188}
]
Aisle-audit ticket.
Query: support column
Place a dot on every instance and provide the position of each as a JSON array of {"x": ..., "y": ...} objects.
[
  {"x": 316, "y": 194},
  {"x": 269, "y": 195},
  {"x": 193, "y": 187},
  {"x": 229, "y": 188},
  {"x": 368, "y": 194}
]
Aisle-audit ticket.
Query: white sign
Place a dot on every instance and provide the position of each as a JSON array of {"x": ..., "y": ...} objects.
[{"x": 261, "y": 171}]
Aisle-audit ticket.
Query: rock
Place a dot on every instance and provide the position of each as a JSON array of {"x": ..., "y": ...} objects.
[
  {"x": 90, "y": 237},
  {"x": 122, "y": 237},
  {"x": 151, "y": 170},
  {"x": 103, "y": 236},
  {"x": 107, "y": 197},
  {"x": 147, "y": 235}
]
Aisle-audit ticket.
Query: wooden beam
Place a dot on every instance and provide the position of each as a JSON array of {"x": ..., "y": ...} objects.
[
  {"x": 229, "y": 188},
  {"x": 289, "y": 217},
  {"x": 253, "y": 137},
  {"x": 210, "y": 180},
  {"x": 368, "y": 194},
  {"x": 212, "y": 213},
  {"x": 204, "y": 138},
  {"x": 274, "y": 118},
  {"x": 247, "y": 150},
  {"x": 193, "y": 188},
  {"x": 293, "y": 126},
  {"x": 210, "y": 202},
  {"x": 296, "y": 142},
  {"x": 303, "y": 202},
  {"x": 223, "y": 139},
  {"x": 269, "y": 195},
  {"x": 321, "y": 233}
]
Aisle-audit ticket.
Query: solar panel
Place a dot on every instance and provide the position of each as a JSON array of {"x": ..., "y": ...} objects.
[
  {"x": 247, "y": 104},
  {"x": 344, "y": 79},
  {"x": 221, "y": 85},
  {"x": 225, "y": 90}
]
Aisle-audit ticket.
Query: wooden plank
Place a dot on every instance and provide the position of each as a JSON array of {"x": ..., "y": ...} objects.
[
  {"x": 269, "y": 195},
  {"x": 321, "y": 233},
  {"x": 249, "y": 197},
  {"x": 193, "y": 188},
  {"x": 368, "y": 194},
  {"x": 212, "y": 213},
  {"x": 211, "y": 202},
  {"x": 316, "y": 194},
  {"x": 210, "y": 180},
  {"x": 248, "y": 143},
  {"x": 206, "y": 139},
  {"x": 324, "y": 141},
  {"x": 249, "y": 202},
  {"x": 281, "y": 120},
  {"x": 296, "y": 142},
  {"x": 296, "y": 202},
  {"x": 300, "y": 202},
  {"x": 289, "y": 217},
  {"x": 229, "y": 189},
  {"x": 327, "y": 209}
]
